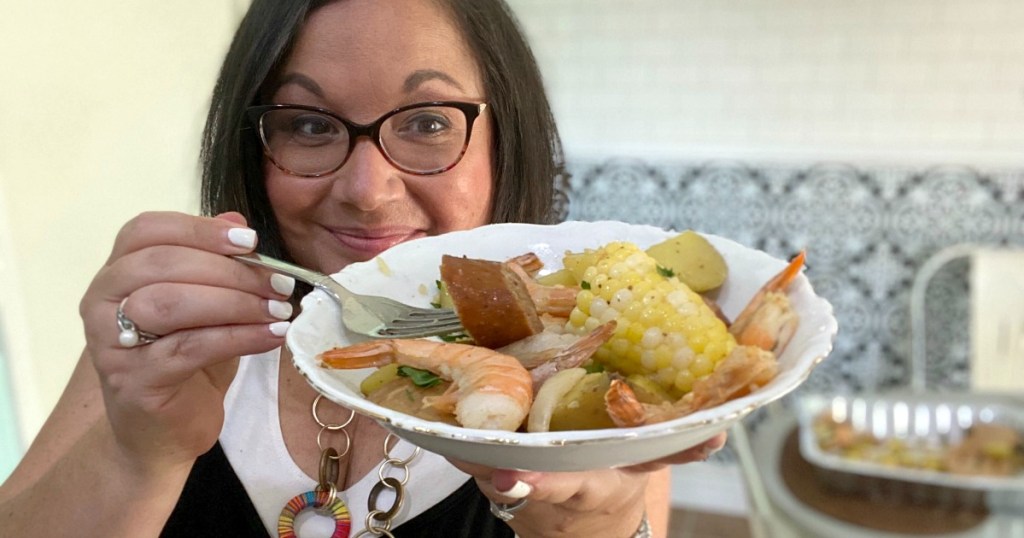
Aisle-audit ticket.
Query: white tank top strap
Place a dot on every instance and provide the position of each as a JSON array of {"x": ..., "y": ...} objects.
[{"x": 253, "y": 443}]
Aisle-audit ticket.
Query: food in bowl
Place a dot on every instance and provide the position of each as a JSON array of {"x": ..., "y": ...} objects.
[{"x": 613, "y": 339}]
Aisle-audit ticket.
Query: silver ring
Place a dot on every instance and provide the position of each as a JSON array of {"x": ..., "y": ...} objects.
[
  {"x": 129, "y": 334},
  {"x": 506, "y": 512}
]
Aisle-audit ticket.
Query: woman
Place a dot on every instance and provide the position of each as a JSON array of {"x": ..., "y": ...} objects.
[{"x": 184, "y": 344}]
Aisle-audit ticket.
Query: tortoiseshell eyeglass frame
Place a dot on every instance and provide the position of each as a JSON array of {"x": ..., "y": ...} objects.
[{"x": 370, "y": 130}]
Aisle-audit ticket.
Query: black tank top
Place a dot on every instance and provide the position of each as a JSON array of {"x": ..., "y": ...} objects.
[{"x": 214, "y": 504}]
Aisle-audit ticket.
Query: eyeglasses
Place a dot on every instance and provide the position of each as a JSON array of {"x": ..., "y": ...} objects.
[{"x": 423, "y": 139}]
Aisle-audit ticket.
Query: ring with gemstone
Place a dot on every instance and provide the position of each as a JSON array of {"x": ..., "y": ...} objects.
[
  {"x": 506, "y": 512},
  {"x": 129, "y": 334}
]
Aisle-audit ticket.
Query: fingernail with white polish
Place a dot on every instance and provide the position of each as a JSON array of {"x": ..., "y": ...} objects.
[
  {"x": 280, "y": 309},
  {"x": 282, "y": 284},
  {"x": 279, "y": 328},
  {"x": 242, "y": 237},
  {"x": 518, "y": 491}
]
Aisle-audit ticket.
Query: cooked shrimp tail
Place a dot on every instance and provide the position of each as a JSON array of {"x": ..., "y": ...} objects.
[
  {"x": 784, "y": 278},
  {"x": 372, "y": 354},
  {"x": 489, "y": 390},
  {"x": 555, "y": 300},
  {"x": 744, "y": 370},
  {"x": 768, "y": 321},
  {"x": 529, "y": 262},
  {"x": 625, "y": 410}
]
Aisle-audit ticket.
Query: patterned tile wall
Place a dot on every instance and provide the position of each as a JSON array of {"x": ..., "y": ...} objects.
[{"x": 867, "y": 231}]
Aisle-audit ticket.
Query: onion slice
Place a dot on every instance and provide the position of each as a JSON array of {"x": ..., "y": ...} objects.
[{"x": 553, "y": 390}]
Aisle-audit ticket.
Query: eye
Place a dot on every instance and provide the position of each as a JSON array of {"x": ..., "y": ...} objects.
[
  {"x": 425, "y": 124},
  {"x": 313, "y": 126}
]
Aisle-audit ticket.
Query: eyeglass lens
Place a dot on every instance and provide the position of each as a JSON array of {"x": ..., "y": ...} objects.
[{"x": 420, "y": 140}]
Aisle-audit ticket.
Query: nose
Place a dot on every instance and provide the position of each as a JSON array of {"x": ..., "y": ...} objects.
[{"x": 367, "y": 180}]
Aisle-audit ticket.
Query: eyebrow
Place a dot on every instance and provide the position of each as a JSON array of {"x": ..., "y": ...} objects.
[
  {"x": 302, "y": 80},
  {"x": 412, "y": 82},
  {"x": 420, "y": 76}
]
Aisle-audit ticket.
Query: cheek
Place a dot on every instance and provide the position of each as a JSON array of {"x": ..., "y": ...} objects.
[
  {"x": 290, "y": 198},
  {"x": 463, "y": 202},
  {"x": 476, "y": 182},
  {"x": 472, "y": 205},
  {"x": 480, "y": 198},
  {"x": 277, "y": 194},
  {"x": 273, "y": 183}
]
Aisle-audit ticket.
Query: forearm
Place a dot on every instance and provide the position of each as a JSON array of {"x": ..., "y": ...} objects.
[
  {"x": 94, "y": 490},
  {"x": 657, "y": 498}
]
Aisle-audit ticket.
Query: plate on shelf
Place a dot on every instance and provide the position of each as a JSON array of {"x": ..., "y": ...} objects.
[
  {"x": 913, "y": 437},
  {"x": 408, "y": 272}
]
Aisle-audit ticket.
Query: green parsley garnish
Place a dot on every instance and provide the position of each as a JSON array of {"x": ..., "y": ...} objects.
[
  {"x": 454, "y": 337},
  {"x": 420, "y": 378},
  {"x": 584, "y": 285},
  {"x": 666, "y": 272}
]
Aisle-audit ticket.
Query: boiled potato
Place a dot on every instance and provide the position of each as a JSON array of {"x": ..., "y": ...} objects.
[
  {"x": 578, "y": 262},
  {"x": 693, "y": 260},
  {"x": 583, "y": 407},
  {"x": 646, "y": 390},
  {"x": 561, "y": 277},
  {"x": 383, "y": 375}
]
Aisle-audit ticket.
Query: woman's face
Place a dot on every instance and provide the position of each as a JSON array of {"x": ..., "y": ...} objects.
[{"x": 362, "y": 59}]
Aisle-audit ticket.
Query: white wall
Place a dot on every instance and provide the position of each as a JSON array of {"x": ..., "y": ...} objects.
[
  {"x": 907, "y": 81},
  {"x": 101, "y": 107}
]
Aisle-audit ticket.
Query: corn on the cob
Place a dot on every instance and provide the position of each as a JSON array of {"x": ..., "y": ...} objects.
[{"x": 665, "y": 330}]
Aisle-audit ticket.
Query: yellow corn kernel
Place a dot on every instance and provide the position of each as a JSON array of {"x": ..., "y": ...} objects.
[
  {"x": 667, "y": 333},
  {"x": 583, "y": 300}
]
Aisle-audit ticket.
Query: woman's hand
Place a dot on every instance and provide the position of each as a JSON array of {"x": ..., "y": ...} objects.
[
  {"x": 604, "y": 502},
  {"x": 164, "y": 400}
]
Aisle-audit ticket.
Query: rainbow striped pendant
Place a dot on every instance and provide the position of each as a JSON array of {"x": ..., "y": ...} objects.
[{"x": 317, "y": 500}]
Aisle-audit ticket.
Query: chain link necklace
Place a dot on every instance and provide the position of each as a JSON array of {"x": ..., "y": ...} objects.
[{"x": 323, "y": 498}]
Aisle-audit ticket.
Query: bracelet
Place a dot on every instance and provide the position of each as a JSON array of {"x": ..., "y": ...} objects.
[{"x": 644, "y": 531}]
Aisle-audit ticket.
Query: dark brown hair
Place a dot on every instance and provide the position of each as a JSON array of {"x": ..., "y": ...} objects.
[{"x": 528, "y": 165}]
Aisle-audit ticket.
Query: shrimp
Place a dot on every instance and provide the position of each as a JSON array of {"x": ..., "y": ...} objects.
[
  {"x": 489, "y": 390},
  {"x": 530, "y": 263},
  {"x": 768, "y": 321},
  {"x": 555, "y": 300},
  {"x": 553, "y": 324},
  {"x": 763, "y": 329},
  {"x": 547, "y": 353},
  {"x": 741, "y": 372}
]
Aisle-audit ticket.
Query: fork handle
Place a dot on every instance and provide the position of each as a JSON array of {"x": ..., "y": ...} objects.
[{"x": 308, "y": 276}]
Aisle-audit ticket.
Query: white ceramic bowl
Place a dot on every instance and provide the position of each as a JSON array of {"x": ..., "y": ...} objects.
[{"x": 408, "y": 273}]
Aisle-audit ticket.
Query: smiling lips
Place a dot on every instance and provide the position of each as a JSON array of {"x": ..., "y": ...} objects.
[{"x": 367, "y": 243}]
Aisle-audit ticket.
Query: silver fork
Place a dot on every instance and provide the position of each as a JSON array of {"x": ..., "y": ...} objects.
[{"x": 376, "y": 317}]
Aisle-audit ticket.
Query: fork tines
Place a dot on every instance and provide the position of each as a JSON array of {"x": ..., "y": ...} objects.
[{"x": 416, "y": 326}]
